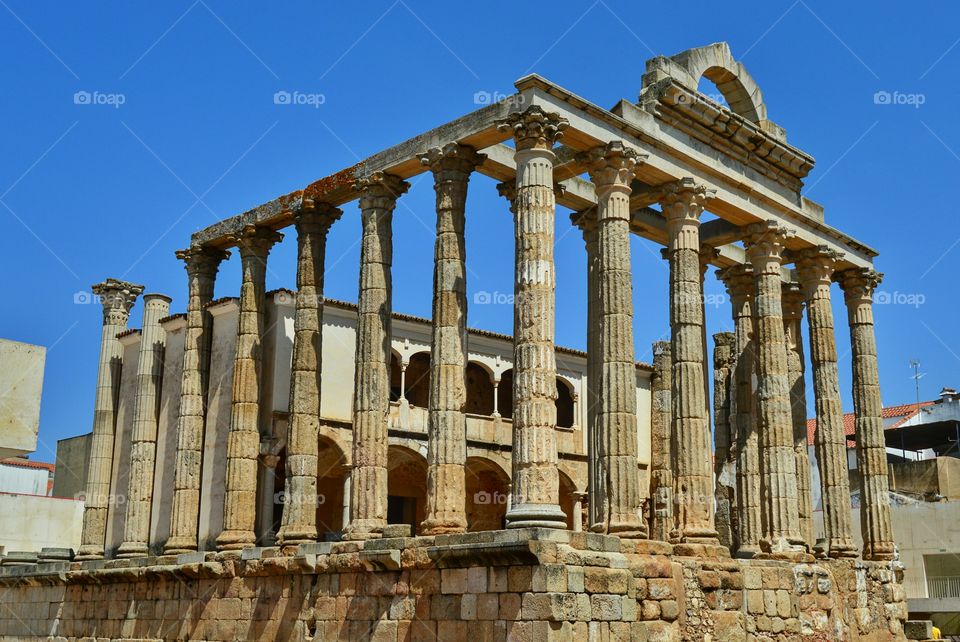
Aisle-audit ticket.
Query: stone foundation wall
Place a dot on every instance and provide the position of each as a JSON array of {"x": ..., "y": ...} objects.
[{"x": 533, "y": 585}]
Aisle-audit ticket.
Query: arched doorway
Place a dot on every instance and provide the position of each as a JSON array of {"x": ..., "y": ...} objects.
[
  {"x": 331, "y": 471},
  {"x": 565, "y": 405},
  {"x": 486, "y": 501},
  {"x": 406, "y": 487},
  {"x": 480, "y": 390},
  {"x": 567, "y": 500}
]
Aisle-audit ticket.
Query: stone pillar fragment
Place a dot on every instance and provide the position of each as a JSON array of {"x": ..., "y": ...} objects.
[
  {"x": 536, "y": 482},
  {"x": 739, "y": 282},
  {"x": 201, "y": 265},
  {"x": 782, "y": 536},
  {"x": 243, "y": 439},
  {"x": 792, "y": 297},
  {"x": 723, "y": 366},
  {"x": 611, "y": 169},
  {"x": 299, "y": 524},
  {"x": 661, "y": 454},
  {"x": 117, "y": 298},
  {"x": 682, "y": 203},
  {"x": 446, "y": 427},
  {"x": 858, "y": 286},
  {"x": 371, "y": 401},
  {"x": 143, "y": 449},
  {"x": 815, "y": 267}
]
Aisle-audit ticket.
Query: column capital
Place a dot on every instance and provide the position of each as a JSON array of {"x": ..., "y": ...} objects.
[
  {"x": 611, "y": 166},
  {"x": 792, "y": 299},
  {"x": 738, "y": 280},
  {"x": 724, "y": 355},
  {"x": 708, "y": 254},
  {"x": 117, "y": 298},
  {"x": 255, "y": 240},
  {"x": 534, "y": 128},
  {"x": 380, "y": 190},
  {"x": 684, "y": 199},
  {"x": 508, "y": 190},
  {"x": 451, "y": 162},
  {"x": 858, "y": 284},
  {"x": 815, "y": 266},
  {"x": 202, "y": 260},
  {"x": 765, "y": 243},
  {"x": 316, "y": 217}
]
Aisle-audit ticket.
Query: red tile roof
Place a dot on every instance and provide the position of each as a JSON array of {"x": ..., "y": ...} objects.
[
  {"x": 901, "y": 413},
  {"x": 26, "y": 463}
]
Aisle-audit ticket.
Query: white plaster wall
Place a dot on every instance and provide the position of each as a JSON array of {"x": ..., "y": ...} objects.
[
  {"x": 278, "y": 357},
  {"x": 40, "y": 522},
  {"x": 164, "y": 466},
  {"x": 18, "y": 479},
  {"x": 21, "y": 383},
  {"x": 339, "y": 347},
  {"x": 219, "y": 396},
  {"x": 119, "y": 479}
]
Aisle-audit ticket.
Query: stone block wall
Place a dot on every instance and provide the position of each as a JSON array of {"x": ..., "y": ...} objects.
[{"x": 534, "y": 585}]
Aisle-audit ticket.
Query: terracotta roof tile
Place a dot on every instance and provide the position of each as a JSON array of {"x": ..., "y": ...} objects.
[
  {"x": 902, "y": 413},
  {"x": 26, "y": 463}
]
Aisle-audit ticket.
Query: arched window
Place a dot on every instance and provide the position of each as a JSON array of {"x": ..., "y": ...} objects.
[
  {"x": 565, "y": 418},
  {"x": 479, "y": 390}
]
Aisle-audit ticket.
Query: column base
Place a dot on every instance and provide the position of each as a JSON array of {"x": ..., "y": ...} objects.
[
  {"x": 235, "y": 540},
  {"x": 747, "y": 551},
  {"x": 440, "y": 526},
  {"x": 536, "y": 516},
  {"x": 879, "y": 552},
  {"x": 180, "y": 545},
  {"x": 695, "y": 549},
  {"x": 87, "y": 553},
  {"x": 296, "y": 536},
  {"x": 782, "y": 548},
  {"x": 363, "y": 529},
  {"x": 128, "y": 550},
  {"x": 842, "y": 550}
]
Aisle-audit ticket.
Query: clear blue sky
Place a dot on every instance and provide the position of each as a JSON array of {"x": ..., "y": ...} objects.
[{"x": 89, "y": 191}]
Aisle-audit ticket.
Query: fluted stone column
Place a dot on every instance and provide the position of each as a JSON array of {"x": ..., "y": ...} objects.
[
  {"x": 299, "y": 520},
  {"x": 371, "y": 401},
  {"x": 792, "y": 297},
  {"x": 143, "y": 449},
  {"x": 611, "y": 169},
  {"x": 596, "y": 486},
  {"x": 723, "y": 366},
  {"x": 243, "y": 439},
  {"x": 446, "y": 423},
  {"x": 536, "y": 482},
  {"x": 201, "y": 265},
  {"x": 661, "y": 457},
  {"x": 764, "y": 245},
  {"x": 682, "y": 203},
  {"x": 858, "y": 286},
  {"x": 739, "y": 282},
  {"x": 815, "y": 268},
  {"x": 117, "y": 298}
]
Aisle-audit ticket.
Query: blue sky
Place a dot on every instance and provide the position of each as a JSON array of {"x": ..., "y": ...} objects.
[{"x": 181, "y": 129}]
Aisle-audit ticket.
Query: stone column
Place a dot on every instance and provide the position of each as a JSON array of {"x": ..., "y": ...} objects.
[
  {"x": 739, "y": 282},
  {"x": 143, "y": 448},
  {"x": 764, "y": 245},
  {"x": 345, "y": 515},
  {"x": 723, "y": 366},
  {"x": 596, "y": 485},
  {"x": 446, "y": 423},
  {"x": 815, "y": 267},
  {"x": 268, "y": 490},
  {"x": 858, "y": 285},
  {"x": 117, "y": 298},
  {"x": 243, "y": 439},
  {"x": 661, "y": 459},
  {"x": 536, "y": 482},
  {"x": 682, "y": 203},
  {"x": 792, "y": 297},
  {"x": 612, "y": 168},
  {"x": 201, "y": 265},
  {"x": 371, "y": 391},
  {"x": 299, "y": 520}
]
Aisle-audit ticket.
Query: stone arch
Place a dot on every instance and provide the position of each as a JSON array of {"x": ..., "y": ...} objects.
[
  {"x": 406, "y": 486},
  {"x": 480, "y": 390},
  {"x": 487, "y": 487},
  {"x": 417, "y": 388},
  {"x": 567, "y": 500}
]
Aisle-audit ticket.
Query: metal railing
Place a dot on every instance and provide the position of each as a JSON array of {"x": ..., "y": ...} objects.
[{"x": 943, "y": 587}]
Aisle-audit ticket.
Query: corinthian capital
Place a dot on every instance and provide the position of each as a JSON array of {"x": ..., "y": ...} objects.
[
  {"x": 117, "y": 297},
  {"x": 255, "y": 240},
  {"x": 815, "y": 266},
  {"x": 380, "y": 190},
  {"x": 858, "y": 284},
  {"x": 765, "y": 243},
  {"x": 316, "y": 217},
  {"x": 738, "y": 280},
  {"x": 203, "y": 261},
  {"x": 611, "y": 165},
  {"x": 534, "y": 128},
  {"x": 684, "y": 200},
  {"x": 452, "y": 162},
  {"x": 792, "y": 300}
]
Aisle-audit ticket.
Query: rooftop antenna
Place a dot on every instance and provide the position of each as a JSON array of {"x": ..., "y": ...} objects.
[{"x": 917, "y": 375}]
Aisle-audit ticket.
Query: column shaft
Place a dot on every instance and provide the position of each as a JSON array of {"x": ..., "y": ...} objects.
[
  {"x": 723, "y": 365},
  {"x": 661, "y": 454},
  {"x": 780, "y": 508},
  {"x": 243, "y": 439},
  {"x": 858, "y": 286},
  {"x": 815, "y": 267},
  {"x": 299, "y": 520},
  {"x": 683, "y": 203},
  {"x": 371, "y": 400},
  {"x": 143, "y": 449},
  {"x": 446, "y": 424},
  {"x": 117, "y": 297},
  {"x": 536, "y": 482},
  {"x": 201, "y": 265},
  {"x": 596, "y": 485}
]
